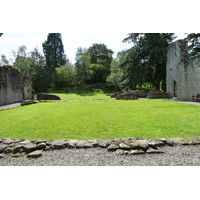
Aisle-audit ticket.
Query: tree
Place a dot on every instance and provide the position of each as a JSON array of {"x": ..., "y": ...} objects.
[
  {"x": 65, "y": 76},
  {"x": 116, "y": 75},
  {"x": 100, "y": 58},
  {"x": 194, "y": 41},
  {"x": 4, "y": 60},
  {"x": 23, "y": 62},
  {"x": 82, "y": 66},
  {"x": 54, "y": 51},
  {"x": 39, "y": 71},
  {"x": 147, "y": 58}
]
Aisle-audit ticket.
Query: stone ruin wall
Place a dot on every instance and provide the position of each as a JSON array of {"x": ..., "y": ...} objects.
[
  {"x": 183, "y": 72},
  {"x": 13, "y": 88}
]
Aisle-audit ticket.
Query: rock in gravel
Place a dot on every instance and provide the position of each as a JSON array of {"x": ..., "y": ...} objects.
[
  {"x": 40, "y": 141},
  {"x": 136, "y": 152},
  {"x": 29, "y": 147},
  {"x": 104, "y": 143},
  {"x": 58, "y": 144},
  {"x": 151, "y": 150},
  {"x": 8, "y": 141},
  {"x": 88, "y": 145},
  {"x": 41, "y": 146},
  {"x": 17, "y": 155},
  {"x": 18, "y": 148},
  {"x": 2, "y": 156},
  {"x": 156, "y": 143},
  {"x": 124, "y": 146},
  {"x": 121, "y": 152},
  {"x": 80, "y": 144},
  {"x": 7, "y": 150},
  {"x": 35, "y": 154},
  {"x": 25, "y": 142},
  {"x": 113, "y": 146},
  {"x": 93, "y": 142},
  {"x": 2, "y": 147}
]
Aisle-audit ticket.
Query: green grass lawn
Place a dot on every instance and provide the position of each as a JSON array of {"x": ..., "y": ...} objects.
[
  {"x": 101, "y": 120},
  {"x": 76, "y": 96}
]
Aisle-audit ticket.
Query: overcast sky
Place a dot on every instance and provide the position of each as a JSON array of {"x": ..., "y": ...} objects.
[{"x": 71, "y": 41}]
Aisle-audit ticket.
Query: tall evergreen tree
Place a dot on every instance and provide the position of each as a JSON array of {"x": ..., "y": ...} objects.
[{"x": 54, "y": 51}]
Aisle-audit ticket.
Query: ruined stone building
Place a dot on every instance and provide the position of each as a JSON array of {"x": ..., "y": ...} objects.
[
  {"x": 13, "y": 87},
  {"x": 183, "y": 72}
]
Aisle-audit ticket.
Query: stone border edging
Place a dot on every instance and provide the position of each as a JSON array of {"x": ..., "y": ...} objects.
[{"x": 122, "y": 146}]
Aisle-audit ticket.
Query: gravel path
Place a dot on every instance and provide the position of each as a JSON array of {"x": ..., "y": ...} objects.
[{"x": 173, "y": 156}]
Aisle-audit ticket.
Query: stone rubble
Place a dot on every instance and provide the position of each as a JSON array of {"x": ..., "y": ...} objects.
[{"x": 122, "y": 146}]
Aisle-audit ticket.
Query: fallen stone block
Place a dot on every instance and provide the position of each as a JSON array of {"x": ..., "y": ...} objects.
[
  {"x": 136, "y": 152},
  {"x": 35, "y": 154},
  {"x": 151, "y": 150}
]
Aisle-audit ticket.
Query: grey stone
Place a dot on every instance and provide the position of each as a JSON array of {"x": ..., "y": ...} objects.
[
  {"x": 35, "y": 154},
  {"x": 80, "y": 144},
  {"x": 8, "y": 141},
  {"x": 40, "y": 141},
  {"x": 121, "y": 152},
  {"x": 124, "y": 146},
  {"x": 93, "y": 142},
  {"x": 151, "y": 150},
  {"x": 29, "y": 147},
  {"x": 2, "y": 155},
  {"x": 2, "y": 147},
  {"x": 104, "y": 143},
  {"x": 58, "y": 144},
  {"x": 41, "y": 146},
  {"x": 17, "y": 155},
  {"x": 88, "y": 145},
  {"x": 156, "y": 143},
  {"x": 139, "y": 144},
  {"x": 136, "y": 152},
  {"x": 113, "y": 147},
  {"x": 18, "y": 148},
  {"x": 25, "y": 142},
  {"x": 7, "y": 150}
]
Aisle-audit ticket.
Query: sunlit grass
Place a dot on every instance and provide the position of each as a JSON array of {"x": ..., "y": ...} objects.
[{"x": 101, "y": 120}]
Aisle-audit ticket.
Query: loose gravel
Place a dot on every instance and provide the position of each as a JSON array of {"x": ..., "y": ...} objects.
[{"x": 173, "y": 156}]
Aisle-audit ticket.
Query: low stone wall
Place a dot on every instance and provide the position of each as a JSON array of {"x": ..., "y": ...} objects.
[
  {"x": 132, "y": 94},
  {"x": 122, "y": 146},
  {"x": 45, "y": 96},
  {"x": 157, "y": 95}
]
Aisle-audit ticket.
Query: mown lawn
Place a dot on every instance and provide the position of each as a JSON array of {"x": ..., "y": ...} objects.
[
  {"x": 101, "y": 120},
  {"x": 82, "y": 96}
]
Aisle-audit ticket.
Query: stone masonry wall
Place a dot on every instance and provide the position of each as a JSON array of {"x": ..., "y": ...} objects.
[
  {"x": 11, "y": 90},
  {"x": 183, "y": 72}
]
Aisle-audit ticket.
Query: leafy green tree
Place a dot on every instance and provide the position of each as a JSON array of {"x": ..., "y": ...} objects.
[
  {"x": 39, "y": 72},
  {"x": 147, "y": 58},
  {"x": 194, "y": 41},
  {"x": 100, "y": 58},
  {"x": 115, "y": 77},
  {"x": 65, "y": 76},
  {"x": 82, "y": 66},
  {"x": 23, "y": 62},
  {"x": 4, "y": 60}
]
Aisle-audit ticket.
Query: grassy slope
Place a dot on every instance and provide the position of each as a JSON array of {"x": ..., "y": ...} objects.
[{"x": 101, "y": 120}]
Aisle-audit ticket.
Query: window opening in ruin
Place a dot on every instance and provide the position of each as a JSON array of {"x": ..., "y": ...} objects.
[{"x": 175, "y": 88}]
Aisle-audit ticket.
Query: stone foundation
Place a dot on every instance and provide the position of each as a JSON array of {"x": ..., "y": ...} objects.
[{"x": 122, "y": 146}]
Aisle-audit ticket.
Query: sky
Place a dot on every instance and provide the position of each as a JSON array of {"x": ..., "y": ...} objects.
[{"x": 71, "y": 41}]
